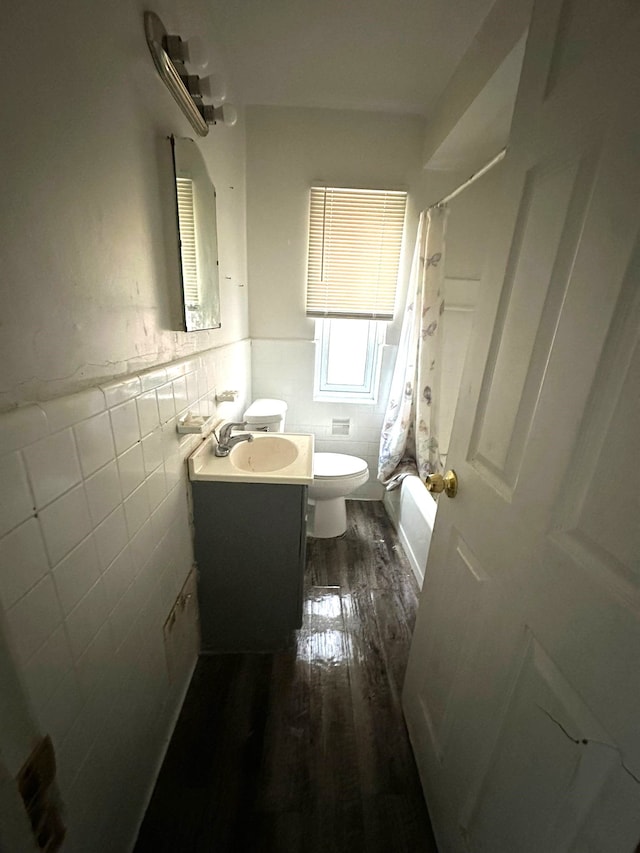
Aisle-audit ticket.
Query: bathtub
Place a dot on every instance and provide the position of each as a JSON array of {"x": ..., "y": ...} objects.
[{"x": 413, "y": 512}]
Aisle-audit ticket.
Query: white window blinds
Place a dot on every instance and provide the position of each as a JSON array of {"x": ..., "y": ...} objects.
[
  {"x": 355, "y": 237},
  {"x": 188, "y": 247}
]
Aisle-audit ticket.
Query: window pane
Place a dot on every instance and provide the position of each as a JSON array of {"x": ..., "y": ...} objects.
[{"x": 347, "y": 356}]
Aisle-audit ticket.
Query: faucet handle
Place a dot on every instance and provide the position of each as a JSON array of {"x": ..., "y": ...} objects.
[{"x": 226, "y": 429}]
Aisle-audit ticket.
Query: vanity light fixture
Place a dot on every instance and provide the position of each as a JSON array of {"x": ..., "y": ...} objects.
[{"x": 170, "y": 55}]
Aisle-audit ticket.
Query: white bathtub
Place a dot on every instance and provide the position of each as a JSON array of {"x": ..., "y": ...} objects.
[{"x": 413, "y": 512}]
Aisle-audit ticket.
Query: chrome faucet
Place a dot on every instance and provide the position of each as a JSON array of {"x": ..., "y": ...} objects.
[{"x": 226, "y": 442}]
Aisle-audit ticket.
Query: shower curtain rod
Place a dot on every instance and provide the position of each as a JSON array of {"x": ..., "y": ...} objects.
[{"x": 493, "y": 162}]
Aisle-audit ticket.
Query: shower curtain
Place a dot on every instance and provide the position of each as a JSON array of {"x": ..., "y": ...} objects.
[{"x": 409, "y": 440}]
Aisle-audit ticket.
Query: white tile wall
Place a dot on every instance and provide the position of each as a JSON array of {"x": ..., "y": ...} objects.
[
  {"x": 48, "y": 666},
  {"x": 23, "y": 561},
  {"x": 95, "y": 544},
  {"x": 66, "y": 411},
  {"x": 153, "y": 378},
  {"x": 65, "y": 523},
  {"x": 166, "y": 406},
  {"x": 76, "y": 574},
  {"x": 118, "y": 576},
  {"x": 156, "y": 486},
  {"x": 94, "y": 440},
  {"x": 52, "y": 466},
  {"x": 104, "y": 492},
  {"x": 121, "y": 389},
  {"x": 136, "y": 510},
  {"x": 284, "y": 369},
  {"x": 94, "y": 660},
  {"x": 57, "y": 715},
  {"x": 16, "y": 503},
  {"x": 124, "y": 422},
  {"x": 21, "y": 427},
  {"x": 152, "y": 450},
  {"x": 90, "y": 613},
  {"x": 33, "y": 618},
  {"x": 111, "y": 536},
  {"x": 180, "y": 398},
  {"x": 131, "y": 469},
  {"x": 148, "y": 415}
]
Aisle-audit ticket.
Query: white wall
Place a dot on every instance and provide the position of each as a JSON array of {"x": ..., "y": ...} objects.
[
  {"x": 499, "y": 33},
  {"x": 92, "y": 551},
  {"x": 95, "y": 545},
  {"x": 287, "y": 150},
  {"x": 95, "y": 540},
  {"x": 87, "y": 231},
  {"x": 284, "y": 369},
  {"x": 468, "y": 227}
]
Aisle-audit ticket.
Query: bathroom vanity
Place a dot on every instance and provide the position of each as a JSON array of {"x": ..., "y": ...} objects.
[{"x": 250, "y": 541}]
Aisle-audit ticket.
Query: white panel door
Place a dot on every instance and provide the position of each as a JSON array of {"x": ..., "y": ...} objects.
[{"x": 522, "y": 694}]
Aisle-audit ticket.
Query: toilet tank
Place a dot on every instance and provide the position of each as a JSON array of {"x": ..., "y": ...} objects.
[{"x": 266, "y": 415}]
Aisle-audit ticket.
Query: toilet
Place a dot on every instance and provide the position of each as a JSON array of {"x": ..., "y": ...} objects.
[
  {"x": 335, "y": 475},
  {"x": 266, "y": 415}
]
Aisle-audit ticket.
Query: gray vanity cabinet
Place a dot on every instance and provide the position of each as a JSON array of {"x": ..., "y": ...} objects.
[{"x": 250, "y": 542}]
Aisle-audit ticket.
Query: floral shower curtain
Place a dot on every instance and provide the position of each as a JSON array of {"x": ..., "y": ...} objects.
[{"x": 409, "y": 440}]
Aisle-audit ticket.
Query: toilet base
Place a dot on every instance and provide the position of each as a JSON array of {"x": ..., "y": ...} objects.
[{"x": 327, "y": 518}]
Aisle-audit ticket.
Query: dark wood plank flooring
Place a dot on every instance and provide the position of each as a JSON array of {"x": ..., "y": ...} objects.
[{"x": 305, "y": 749}]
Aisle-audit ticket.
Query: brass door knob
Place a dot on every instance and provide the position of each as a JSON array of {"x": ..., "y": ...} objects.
[{"x": 447, "y": 483}]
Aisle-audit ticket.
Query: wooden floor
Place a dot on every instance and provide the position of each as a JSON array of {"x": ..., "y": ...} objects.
[{"x": 305, "y": 750}]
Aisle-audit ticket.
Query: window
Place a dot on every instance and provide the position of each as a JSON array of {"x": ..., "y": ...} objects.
[
  {"x": 355, "y": 237},
  {"x": 348, "y": 359}
]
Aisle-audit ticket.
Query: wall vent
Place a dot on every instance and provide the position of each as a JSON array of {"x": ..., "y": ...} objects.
[{"x": 340, "y": 426}]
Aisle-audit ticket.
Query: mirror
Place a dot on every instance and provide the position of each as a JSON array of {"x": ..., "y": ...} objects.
[{"x": 196, "y": 206}]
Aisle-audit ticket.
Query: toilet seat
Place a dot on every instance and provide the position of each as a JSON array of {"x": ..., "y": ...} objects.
[{"x": 337, "y": 466}]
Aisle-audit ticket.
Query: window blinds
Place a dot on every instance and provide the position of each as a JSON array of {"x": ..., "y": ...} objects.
[
  {"x": 355, "y": 237},
  {"x": 188, "y": 249}
]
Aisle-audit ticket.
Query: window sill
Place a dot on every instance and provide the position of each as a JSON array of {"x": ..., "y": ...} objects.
[{"x": 328, "y": 397}]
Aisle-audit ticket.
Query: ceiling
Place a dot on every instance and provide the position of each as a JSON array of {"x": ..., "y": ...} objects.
[{"x": 382, "y": 55}]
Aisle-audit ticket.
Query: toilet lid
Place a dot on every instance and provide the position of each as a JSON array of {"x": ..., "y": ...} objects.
[{"x": 337, "y": 465}]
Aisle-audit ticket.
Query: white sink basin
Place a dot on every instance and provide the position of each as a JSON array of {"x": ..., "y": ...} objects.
[
  {"x": 271, "y": 453},
  {"x": 269, "y": 458}
]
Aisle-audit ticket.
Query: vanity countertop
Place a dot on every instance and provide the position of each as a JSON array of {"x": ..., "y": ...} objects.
[{"x": 277, "y": 458}]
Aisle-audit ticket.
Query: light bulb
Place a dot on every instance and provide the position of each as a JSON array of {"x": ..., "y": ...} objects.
[
  {"x": 214, "y": 89},
  {"x": 229, "y": 114},
  {"x": 197, "y": 53}
]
